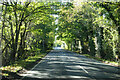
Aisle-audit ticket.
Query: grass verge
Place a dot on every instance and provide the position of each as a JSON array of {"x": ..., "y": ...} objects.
[
  {"x": 112, "y": 63},
  {"x": 11, "y": 72}
]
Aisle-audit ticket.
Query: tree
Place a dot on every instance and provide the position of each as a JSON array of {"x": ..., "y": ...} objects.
[{"x": 18, "y": 21}]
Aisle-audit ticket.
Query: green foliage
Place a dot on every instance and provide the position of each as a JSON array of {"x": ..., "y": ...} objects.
[
  {"x": 26, "y": 64},
  {"x": 90, "y": 27},
  {"x": 95, "y": 25},
  {"x": 26, "y": 27}
]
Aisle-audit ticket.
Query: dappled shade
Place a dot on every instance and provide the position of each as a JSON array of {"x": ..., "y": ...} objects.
[
  {"x": 29, "y": 29},
  {"x": 63, "y": 64}
]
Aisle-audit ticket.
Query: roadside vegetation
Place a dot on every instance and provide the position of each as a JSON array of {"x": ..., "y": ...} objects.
[
  {"x": 14, "y": 71},
  {"x": 91, "y": 28},
  {"x": 28, "y": 31},
  {"x": 112, "y": 63}
]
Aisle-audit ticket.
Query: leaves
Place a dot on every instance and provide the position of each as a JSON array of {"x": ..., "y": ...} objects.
[{"x": 27, "y": 25}]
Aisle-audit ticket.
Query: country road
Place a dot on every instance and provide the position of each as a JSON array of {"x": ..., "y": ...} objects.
[{"x": 62, "y": 64}]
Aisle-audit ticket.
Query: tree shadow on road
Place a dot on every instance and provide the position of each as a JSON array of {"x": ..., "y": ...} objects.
[{"x": 64, "y": 66}]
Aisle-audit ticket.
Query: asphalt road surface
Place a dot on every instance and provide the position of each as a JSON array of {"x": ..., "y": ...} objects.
[{"x": 62, "y": 64}]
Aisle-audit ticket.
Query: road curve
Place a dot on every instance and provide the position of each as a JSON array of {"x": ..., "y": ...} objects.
[{"x": 62, "y": 64}]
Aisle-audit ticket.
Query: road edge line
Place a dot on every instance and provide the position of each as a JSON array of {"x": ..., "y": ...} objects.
[{"x": 34, "y": 66}]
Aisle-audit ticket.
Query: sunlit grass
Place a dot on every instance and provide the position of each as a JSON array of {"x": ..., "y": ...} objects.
[
  {"x": 21, "y": 64},
  {"x": 4, "y": 74},
  {"x": 11, "y": 68},
  {"x": 102, "y": 60}
]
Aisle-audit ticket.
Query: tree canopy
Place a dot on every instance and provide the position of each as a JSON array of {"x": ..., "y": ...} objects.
[
  {"x": 87, "y": 27},
  {"x": 26, "y": 27},
  {"x": 91, "y": 27}
]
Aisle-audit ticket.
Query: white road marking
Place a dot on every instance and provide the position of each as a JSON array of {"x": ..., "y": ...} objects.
[
  {"x": 84, "y": 69},
  {"x": 33, "y": 67}
]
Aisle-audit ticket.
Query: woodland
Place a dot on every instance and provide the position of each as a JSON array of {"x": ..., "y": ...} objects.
[
  {"x": 29, "y": 28},
  {"x": 92, "y": 28}
]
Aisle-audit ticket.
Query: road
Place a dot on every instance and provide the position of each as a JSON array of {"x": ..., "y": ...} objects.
[{"x": 62, "y": 64}]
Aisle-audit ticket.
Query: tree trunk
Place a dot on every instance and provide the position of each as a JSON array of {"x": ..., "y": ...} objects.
[
  {"x": 22, "y": 45},
  {"x": 91, "y": 46},
  {"x": 99, "y": 35},
  {"x": 83, "y": 46}
]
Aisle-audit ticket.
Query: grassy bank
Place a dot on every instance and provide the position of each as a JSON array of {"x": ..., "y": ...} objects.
[
  {"x": 113, "y": 63},
  {"x": 12, "y": 71}
]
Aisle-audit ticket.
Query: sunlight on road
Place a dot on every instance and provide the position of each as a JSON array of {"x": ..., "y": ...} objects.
[{"x": 60, "y": 63}]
